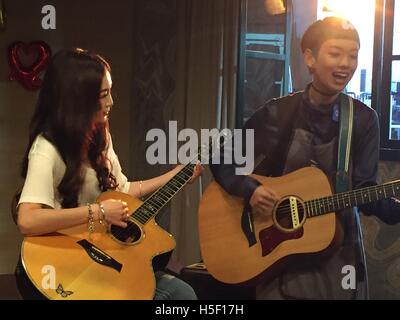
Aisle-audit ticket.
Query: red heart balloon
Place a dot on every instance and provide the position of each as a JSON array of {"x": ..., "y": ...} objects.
[{"x": 27, "y": 61}]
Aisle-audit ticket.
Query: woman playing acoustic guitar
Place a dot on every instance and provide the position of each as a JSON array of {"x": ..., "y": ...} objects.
[{"x": 70, "y": 160}]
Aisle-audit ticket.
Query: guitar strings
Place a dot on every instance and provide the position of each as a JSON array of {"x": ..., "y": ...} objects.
[
  {"x": 143, "y": 216},
  {"x": 310, "y": 205},
  {"x": 315, "y": 204}
]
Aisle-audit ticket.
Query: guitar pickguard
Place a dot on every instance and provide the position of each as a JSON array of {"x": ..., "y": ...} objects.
[{"x": 271, "y": 237}]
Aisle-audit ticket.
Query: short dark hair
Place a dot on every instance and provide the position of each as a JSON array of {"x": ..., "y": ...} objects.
[{"x": 328, "y": 28}]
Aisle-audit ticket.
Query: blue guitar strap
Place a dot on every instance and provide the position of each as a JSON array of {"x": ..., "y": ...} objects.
[{"x": 344, "y": 144}]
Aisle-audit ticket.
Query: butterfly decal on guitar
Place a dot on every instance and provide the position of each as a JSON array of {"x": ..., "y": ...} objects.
[{"x": 60, "y": 290}]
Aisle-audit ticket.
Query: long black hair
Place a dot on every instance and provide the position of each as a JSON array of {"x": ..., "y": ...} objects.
[{"x": 65, "y": 112}]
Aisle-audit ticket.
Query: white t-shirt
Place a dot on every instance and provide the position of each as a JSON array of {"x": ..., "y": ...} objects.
[{"x": 46, "y": 170}]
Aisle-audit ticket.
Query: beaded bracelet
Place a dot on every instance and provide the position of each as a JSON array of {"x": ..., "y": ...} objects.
[{"x": 90, "y": 225}]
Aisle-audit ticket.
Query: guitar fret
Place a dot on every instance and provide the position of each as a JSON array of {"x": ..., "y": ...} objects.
[
  {"x": 157, "y": 200},
  {"x": 145, "y": 214},
  {"x": 348, "y": 204},
  {"x": 177, "y": 181},
  {"x": 316, "y": 208},
  {"x": 337, "y": 200},
  {"x": 321, "y": 206},
  {"x": 172, "y": 185},
  {"x": 168, "y": 191},
  {"x": 180, "y": 181},
  {"x": 365, "y": 197},
  {"x": 163, "y": 196},
  {"x": 312, "y": 208},
  {"x": 361, "y": 201},
  {"x": 149, "y": 208},
  {"x": 397, "y": 188},
  {"x": 139, "y": 215},
  {"x": 344, "y": 202},
  {"x": 154, "y": 203},
  {"x": 171, "y": 192},
  {"x": 187, "y": 175},
  {"x": 351, "y": 199},
  {"x": 181, "y": 178},
  {"x": 307, "y": 209},
  {"x": 380, "y": 192}
]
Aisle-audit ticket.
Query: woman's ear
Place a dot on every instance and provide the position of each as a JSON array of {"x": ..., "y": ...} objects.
[{"x": 309, "y": 59}]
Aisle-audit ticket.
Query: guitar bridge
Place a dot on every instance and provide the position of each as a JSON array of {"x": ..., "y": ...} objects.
[{"x": 99, "y": 255}]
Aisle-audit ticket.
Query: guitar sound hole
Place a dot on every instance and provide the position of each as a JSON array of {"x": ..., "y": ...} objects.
[
  {"x": 130, "y": 234},
  {"x": 284, "y": 217}
]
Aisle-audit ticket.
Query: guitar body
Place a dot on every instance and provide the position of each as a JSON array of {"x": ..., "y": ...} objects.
[
  {"x": 225, "y": 248},
  {"x": 77, "y": 259}
]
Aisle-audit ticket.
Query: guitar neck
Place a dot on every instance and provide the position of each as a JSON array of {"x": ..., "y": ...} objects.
[
  {"x": 152, "y": 206},
  {"x": 351, "y": 199}
]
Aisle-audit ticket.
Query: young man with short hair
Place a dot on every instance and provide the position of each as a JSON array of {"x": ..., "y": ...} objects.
[{"x": 301, "y": 130}]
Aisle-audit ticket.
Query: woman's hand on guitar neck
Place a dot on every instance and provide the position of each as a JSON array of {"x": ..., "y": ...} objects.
[
  {"x": 197, "y": 171},
  {"x": 263, "y": 200}
]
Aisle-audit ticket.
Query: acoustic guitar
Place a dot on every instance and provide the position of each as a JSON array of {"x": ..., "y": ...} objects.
[
  {"x": 303, "y": 223},
  {"x": 110, "y": 263}
]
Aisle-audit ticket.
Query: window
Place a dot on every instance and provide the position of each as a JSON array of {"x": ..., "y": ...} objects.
[
  {"x": 394, "y": 121},
  {"x": 387, "y": 82},
  {"x": 264, "y": 54},
  {"x": 266, "y": 60}
]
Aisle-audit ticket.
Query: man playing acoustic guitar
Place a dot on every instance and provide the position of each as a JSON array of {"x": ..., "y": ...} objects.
[{"x": 301, "y": 130}]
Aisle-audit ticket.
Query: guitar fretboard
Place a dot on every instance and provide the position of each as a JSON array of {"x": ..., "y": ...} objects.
[
  {"x": 351, "y": 199},
  {"x": 162, "y": 196}
]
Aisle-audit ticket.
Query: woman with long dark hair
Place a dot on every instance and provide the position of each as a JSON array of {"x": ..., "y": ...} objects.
[{"x": 70, "y": 159}]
